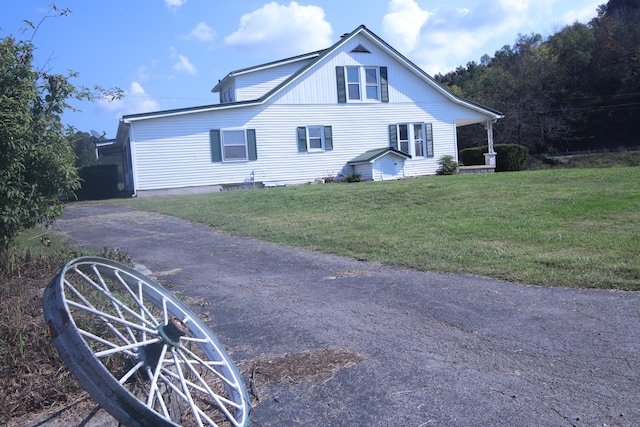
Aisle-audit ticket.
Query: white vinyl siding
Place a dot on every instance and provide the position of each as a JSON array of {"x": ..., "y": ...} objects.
[
  {"x": 175, "y": 151},
  {"x": 256, "y": 84}
]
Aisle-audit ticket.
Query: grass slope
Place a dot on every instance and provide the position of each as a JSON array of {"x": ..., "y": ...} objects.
[{"x": 564, "y": 227}]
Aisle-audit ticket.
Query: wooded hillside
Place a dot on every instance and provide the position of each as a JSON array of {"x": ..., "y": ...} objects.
[{"x": 578, "y": 89}]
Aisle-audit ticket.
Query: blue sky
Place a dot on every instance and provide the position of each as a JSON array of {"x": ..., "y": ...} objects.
[{"x": 170, "y": 53}]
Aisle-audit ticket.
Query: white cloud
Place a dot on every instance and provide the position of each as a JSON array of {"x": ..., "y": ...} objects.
[
  {"x": 135, "y": 100},
  {"x": 202, "y": 32},
  {"x": 282, "y": 30},
  {"x": 442, "y": 38},
  {"x": 403, "y": 23},
  {"x": 184, "y": 65},
  {"x": 143, "y": 73},
  {"x": 584, "y": 14},
  {"x": 174, "y": 4}
]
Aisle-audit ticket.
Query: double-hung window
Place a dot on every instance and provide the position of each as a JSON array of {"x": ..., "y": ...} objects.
[
  {"x": 415, "y": 139},
  {"x": 371, "y": 79},
  {"x": 418, "y": 139},
  {"x": 363, "y": 77},
  {"x": 233, "y": 145},
  {"x": 362, "y": 84},
  {"x": 314, "y": 138},
  {"x": 353, "y": 83}
]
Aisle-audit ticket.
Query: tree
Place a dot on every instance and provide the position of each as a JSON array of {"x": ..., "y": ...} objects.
[
  {"x": 84, "y": 148},
  {"x": 37, "y": 162},
  {"x": 614, "y": 71}
]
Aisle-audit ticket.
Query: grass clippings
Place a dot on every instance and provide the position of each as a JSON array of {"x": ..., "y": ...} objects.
[{"x": 312, "y": 365}]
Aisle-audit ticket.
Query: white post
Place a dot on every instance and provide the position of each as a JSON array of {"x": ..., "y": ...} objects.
[{"x": 490, "y": 157}]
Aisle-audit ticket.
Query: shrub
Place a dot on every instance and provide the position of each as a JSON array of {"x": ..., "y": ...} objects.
[
  {"x": 510, "y": 157},
  {"x": 353, "y": 177},
  {"x": 473, "y": 156},
  {"x": 448, "y": 166}
]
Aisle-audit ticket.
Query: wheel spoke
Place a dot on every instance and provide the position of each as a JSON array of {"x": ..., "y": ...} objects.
[
  {"x": 207, "y": 364},
  {"x": 117, "y": 303},
  {"x": 123, "y": 348},
  {"x": 135, "y": 342},
  {"x": 105, "y": 317},
  {"x": 131, "y": 372},
  {"x": 185, "y": 388}
]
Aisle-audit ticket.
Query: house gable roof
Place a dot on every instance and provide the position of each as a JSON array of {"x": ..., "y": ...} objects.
[
  {"x": 319, "y": 55},
  {"x": 370, "y": 156},
  {"x": 267, "y": 65}
]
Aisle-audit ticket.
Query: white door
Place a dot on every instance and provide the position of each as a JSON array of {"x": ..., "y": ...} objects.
[{"x": 389, "y": 167}]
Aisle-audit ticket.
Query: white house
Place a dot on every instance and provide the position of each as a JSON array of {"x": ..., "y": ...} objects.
[{"x": 356, "y": 107}]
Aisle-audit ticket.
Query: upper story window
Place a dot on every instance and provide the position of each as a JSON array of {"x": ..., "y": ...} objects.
[
  {"x": 226, "y": 96},
  {"x": 362, "y": 84}
]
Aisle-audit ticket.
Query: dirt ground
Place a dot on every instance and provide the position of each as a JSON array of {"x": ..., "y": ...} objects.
[{"x": 328, "y": 341}]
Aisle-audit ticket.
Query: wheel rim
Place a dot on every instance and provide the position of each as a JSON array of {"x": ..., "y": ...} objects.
[{"x": 140, "y": 352}]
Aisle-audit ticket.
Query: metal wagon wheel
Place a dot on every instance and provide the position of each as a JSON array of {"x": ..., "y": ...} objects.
[{"x": 139, "y": 352}]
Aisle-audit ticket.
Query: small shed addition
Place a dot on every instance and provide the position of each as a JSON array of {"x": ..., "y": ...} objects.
[{"x": 380, "y": 164}]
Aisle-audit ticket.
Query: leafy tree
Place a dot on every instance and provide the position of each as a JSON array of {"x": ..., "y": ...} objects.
[
  {"x": 579, "y": 89},
  {"x": 614, "y": 70},
  {"x": 570, "y": 52},
  {"x": 84, "y": 148},
  {"x": 37, "y": 162}
]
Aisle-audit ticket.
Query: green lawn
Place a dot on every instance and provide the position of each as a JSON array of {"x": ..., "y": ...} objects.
[{"x": 565, "y": 227}]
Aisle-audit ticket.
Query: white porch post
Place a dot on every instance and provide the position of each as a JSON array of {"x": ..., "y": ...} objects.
[{"x": 490, "y": 157}]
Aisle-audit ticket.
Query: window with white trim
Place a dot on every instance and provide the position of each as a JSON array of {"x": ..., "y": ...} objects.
[
  {"x": 353, "y": 83},
  {"x": 314, "y": 138},
  {"x": 363, "y": 83},
  {"x": 233, "y": 145},
  {"x": 415, "y": 139},
  {"x": 372, "y": 83},
  {"x": 418, "y": 139}
]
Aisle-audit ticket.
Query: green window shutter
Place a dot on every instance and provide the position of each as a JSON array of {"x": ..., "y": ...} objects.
[
  {"x": 216, "y": 149},
  {"x": 302, "y": 139},
  {"x": 251, "y": 144},
  {"x": 328, "y": 138},
  {"x": 384, "y": 85},
  {"x": 393, "y": 136},
  {"x": 428, "y": 127},
  {"x": 342, "y": 90}
]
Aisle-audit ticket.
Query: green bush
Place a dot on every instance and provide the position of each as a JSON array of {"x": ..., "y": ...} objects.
[
  {"x": 509, "y": 157},
  {"x": 448, "y": 166},
  {"x": 98, "y": 182},
  {"x": 473, "y": 156},
  {"x": 353, "y": 177}
]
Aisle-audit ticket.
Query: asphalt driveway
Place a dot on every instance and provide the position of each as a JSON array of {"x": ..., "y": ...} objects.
[{"x": 434, "y": 349}]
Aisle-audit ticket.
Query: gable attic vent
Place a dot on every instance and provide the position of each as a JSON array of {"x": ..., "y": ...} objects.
[{"x": 361, "y": 49}]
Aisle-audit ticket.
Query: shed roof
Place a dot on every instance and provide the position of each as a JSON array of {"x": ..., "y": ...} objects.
[{"x": 374, "y": 154}]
